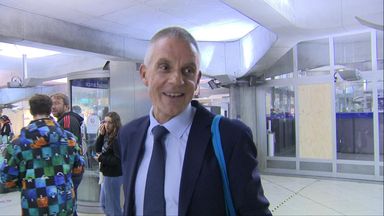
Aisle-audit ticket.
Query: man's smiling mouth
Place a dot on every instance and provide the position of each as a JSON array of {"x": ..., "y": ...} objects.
[{"x": 173, "y": 94}]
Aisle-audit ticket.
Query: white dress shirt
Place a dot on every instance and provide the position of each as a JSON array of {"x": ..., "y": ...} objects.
[{"x": 175, "y": 145}]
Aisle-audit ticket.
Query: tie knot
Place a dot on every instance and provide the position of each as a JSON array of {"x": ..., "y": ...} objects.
[{"x": 159, "y": 132}]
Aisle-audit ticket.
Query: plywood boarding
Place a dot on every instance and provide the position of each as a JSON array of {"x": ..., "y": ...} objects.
[{"x": 315, "y": 122}]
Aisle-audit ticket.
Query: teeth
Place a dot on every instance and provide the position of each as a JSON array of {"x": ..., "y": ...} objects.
[{"x": 173, "y": 94}]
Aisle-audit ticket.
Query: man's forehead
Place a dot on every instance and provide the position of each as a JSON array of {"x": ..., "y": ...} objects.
[
  {"x": 57, "y": 100},
  {"x": 164, "y": 46}
]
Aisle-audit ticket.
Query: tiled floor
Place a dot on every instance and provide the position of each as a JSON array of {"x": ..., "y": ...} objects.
[
  {"x": 319, "y": 196},
  {"x": 292, "y": 196}
]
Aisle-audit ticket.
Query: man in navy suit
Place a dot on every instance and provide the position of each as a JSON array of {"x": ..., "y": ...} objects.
[{"x": 193, "y": 183}]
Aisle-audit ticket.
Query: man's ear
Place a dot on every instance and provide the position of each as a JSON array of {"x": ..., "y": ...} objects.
[{"x": 143, "y": 74}]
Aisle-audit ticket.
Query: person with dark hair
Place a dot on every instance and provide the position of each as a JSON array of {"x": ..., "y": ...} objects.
[
  {"x": 76, "y": 109},
  {"x": 6, "y": 132},
  {"x": 168, "y": 160},
  {"x": 42, "y": 162},
  {"x": 108, "y": 155},
  {"x": 70, "y": 121}
]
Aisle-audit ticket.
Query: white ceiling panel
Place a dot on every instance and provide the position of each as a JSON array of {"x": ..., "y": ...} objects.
[
  {"x": 27, "y": 5},
  {"x": 200, "y": 13},
  {"x": 199, "y": 10},
  {"x": 49, "y": 8},
  {"x": 112, "y": 27},
  {"x": 138, "y": 14},
  {"x": 137, "y": 18},
  {"x": 98, "y": 7},
  {"x": 311, "y": 14},
  {"x": 143, "y": 17}
]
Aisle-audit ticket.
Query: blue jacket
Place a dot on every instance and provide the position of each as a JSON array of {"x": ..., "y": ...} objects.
[{"x": 201, "y": 189}]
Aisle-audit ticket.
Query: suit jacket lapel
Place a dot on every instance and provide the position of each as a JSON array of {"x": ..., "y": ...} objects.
[
  {"x": 134, "y": 157},
  {"x": 198, "y": 140}
]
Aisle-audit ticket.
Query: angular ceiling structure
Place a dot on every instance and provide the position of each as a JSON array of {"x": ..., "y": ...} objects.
[{"x": 99, "y": 31}]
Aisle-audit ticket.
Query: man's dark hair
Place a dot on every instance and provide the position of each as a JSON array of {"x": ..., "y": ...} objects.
[
  {"x": 40, "y": 104},
  {"x": 76, "y": 109},
  {"x": 61, "y": 96}
]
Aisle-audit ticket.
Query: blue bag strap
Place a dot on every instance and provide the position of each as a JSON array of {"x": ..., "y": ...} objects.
[{"x": 216, "y": 140}]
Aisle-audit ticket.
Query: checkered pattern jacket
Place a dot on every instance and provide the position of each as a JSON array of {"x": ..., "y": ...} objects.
[{"x": 41, "y": 162}]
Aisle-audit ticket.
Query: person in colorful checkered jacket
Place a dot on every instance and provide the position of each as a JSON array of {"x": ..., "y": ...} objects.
[
  {"x": 41, "y": 162},
  {"x": 71, "y": 122}
]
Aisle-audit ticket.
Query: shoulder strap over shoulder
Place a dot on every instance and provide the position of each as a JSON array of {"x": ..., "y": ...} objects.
[{"x": 216, "y": 140}]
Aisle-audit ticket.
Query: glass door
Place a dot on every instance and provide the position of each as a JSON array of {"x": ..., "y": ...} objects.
[{"x": 90, "y": 99}]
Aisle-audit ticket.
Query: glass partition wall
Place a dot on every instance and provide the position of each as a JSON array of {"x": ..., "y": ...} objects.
[
  {"x": 90, "y": 99},
  {"x": 380, "y": 93},
  {"x": 281, "y": 121},
  {"x": 324, "y": 108},
  {"x": 354, "y": 114},
  {"x": 354, "y": 120},
  {"x": 380, "y": 104},
  {"x": 313, "y": 58}
]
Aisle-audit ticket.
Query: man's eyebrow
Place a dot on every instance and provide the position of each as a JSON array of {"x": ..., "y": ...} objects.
[
  {"x": 190, "y": 64},
  {"x": 162, "y": 60}
]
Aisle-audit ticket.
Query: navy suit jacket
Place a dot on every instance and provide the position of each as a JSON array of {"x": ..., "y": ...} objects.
[{"x": 201, "y": 190}]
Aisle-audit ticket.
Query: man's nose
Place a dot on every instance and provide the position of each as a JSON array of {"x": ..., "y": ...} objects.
[{"x": 176, "y": 78}]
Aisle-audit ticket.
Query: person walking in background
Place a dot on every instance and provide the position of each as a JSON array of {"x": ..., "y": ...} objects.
[
  {"x": 42, "y": 162},
  {"x": 108, "y": 155},
  {"x": 177, "y": 130},
  {"x": 70, "y": 121},
  {"x": 93, "y": 124},
  {"x": 83, "y": 130},
  {"x": 6, "y": 132}
]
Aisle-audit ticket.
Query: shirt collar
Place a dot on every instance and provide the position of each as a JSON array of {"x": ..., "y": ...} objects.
[{"x": 176, "y": 125}]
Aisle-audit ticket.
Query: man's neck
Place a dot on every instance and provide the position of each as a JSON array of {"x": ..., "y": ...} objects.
[
  {"x": 40, "y": 116},
  {"x": 62, "y": 114}
]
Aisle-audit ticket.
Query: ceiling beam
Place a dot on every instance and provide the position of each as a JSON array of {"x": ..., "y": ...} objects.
[{"x": 21, "y": 27}]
